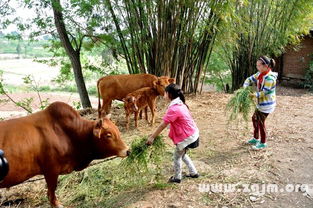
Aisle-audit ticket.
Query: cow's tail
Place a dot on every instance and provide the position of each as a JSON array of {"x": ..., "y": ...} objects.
[{"x": 99, "y": 102}]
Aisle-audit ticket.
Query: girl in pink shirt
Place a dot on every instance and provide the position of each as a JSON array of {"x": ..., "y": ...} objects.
[{"x": 183, "y": 131}]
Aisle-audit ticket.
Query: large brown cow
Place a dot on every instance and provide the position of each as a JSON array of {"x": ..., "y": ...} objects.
[
  {"x": 56, "y": 141},
  {"x": 118, "y": 86}
]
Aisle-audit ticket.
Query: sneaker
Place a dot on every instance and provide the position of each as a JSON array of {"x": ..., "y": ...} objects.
[
  {"x": 174, "y": 180},
  {"x": 253, "y": 141},
  {"x": 193, "y": 176},
  {"x": 259, "y": 146}
]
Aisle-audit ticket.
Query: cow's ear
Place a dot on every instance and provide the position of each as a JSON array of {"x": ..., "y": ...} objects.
[
  {"x": 155, "y": 83},
  {"x": 108, "y": 116},
  {"x": 97, "y": 130},
  {"x": 99, "y": 124},
  {"x": 138, "y": 97},
  {"x": 171, "y": 80}
]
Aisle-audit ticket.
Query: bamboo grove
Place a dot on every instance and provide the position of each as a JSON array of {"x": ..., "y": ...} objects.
[
  {"x": 171, "y": 37},
  {"x": 264, "y": 27}
]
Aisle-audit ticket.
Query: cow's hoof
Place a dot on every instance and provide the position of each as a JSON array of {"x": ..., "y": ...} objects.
[{"x": 58, "y": 206}]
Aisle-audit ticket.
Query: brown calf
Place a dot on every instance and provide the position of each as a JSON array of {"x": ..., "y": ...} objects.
[{"x": 139, "y": 100}]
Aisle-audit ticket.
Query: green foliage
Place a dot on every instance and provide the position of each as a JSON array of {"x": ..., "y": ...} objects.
[
  {"x": 25, "y": 103},
  {"x": 308, "y": 82},
  {"x": 5, "y": 11},
  {"x": 263, "y": 28},
  {"x": 24, "y": 48},
  {"x": 31, "y": 82},
  {"x": 169, "y": 37},
  {"x": 92, "y": 63},
  {"x": 218, "y": 72},
  {"x": 77, "y": 105},
  {"x": 240, "y": 104},
  {"x": 1, "y": 82},
  {"x": 76, "y": 26}
]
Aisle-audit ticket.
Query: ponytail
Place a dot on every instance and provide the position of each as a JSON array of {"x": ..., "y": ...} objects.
[
  {"x": 272, "y": 63},
  {"x": 182, "y": 97},
  {"x": 174, "y": 91}
]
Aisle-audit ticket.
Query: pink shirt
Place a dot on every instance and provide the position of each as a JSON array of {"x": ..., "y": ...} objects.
[{"x": 181, "y": 123}]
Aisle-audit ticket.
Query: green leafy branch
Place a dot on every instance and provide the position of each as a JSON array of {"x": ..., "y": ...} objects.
[{"x": 26, "y": 103}]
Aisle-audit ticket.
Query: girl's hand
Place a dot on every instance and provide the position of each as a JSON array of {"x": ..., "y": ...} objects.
[
  {"x": 252, "y": 95},
  {"x": 156, "y": 133},
  {"x": 149, "y": 140}
]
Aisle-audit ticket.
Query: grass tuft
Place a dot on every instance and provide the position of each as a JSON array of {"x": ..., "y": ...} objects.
[
  {"x": 143, "y": 155},
  {"x": 240, "y": 104}
]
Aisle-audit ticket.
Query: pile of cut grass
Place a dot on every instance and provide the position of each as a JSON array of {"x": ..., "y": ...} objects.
[
  {"x": 142, "y": 156},
  {"x": 106, "y": 184},
  {"x": 240, "y": 104}
]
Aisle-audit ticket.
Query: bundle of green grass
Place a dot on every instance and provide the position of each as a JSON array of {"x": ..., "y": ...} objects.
[
  {"x": 142, "y": 155},
  {"x": 241, "y": 104}
]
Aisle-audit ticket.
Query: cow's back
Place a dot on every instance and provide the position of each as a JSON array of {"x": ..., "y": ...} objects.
[
  {"x": 21, "y": 140},
  {"x": 144, "y": 94},
  {"x": 118, "y": 86},
  {"x": 37, "y": 142}
]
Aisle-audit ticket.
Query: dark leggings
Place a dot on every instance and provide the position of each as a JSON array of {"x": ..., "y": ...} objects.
[{"x": 258, "y": 120}]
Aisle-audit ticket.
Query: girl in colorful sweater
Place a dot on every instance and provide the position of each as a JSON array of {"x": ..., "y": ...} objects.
[
  {"x": 183, "y": 131},
  {"x": 265, "y": 80}
]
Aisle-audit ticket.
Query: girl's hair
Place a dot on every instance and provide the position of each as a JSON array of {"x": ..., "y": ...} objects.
[
  {"x": 267, "y": 61},
  {"x": 174, "y": 91}
]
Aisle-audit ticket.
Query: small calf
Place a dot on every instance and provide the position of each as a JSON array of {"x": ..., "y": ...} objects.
[{"x": 139, "y": 100}]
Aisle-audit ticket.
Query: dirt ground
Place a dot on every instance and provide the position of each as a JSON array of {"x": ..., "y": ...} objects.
[{"x": 224, "y": 158}]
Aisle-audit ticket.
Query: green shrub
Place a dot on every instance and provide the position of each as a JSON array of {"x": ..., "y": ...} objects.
[{"x": 308, "y": 82}]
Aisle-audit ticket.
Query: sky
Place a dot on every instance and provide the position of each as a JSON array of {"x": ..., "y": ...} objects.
[{"x": 23, "y": 13}]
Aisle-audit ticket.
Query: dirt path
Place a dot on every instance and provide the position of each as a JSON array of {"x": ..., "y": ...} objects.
[{"x": 223, "y": 158}]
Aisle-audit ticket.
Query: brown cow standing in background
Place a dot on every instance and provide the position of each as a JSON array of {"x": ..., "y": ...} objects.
[
  {"x": 118, "y": 86},
  {"x": 55, "y": 141}
]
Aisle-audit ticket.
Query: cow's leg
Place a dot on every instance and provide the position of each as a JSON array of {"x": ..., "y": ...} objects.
[
  {"x": 106, "y": 106},
  {"x": 52, "y": 181},
  {"x": 102, "y": 110},
  {"x": 152, "y": 108},
  {"x": 140, "y": 115},
  {"x": 146, "y": 113},
  {"x": 136, "y": 119}
]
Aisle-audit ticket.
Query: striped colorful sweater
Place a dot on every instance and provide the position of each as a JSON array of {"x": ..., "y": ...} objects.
[{"x": 266, "y": 95}]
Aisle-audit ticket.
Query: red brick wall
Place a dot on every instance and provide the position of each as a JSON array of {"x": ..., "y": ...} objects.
[{"x": 296, "y": 62}]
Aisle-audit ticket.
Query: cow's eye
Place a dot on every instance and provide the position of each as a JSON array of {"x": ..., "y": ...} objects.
[{"x": 109, "y": 135}]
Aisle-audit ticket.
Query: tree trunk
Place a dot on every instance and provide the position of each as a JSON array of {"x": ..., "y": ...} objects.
[{"x": 73, "y": 54}]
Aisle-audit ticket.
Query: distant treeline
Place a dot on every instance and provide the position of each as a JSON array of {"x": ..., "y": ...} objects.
[{"x": 24, "y": 48}]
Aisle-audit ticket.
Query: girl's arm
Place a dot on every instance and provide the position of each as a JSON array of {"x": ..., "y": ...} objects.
[
  {"x": 160, "y": 128},
  {"x": 250, "y": 80}
]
